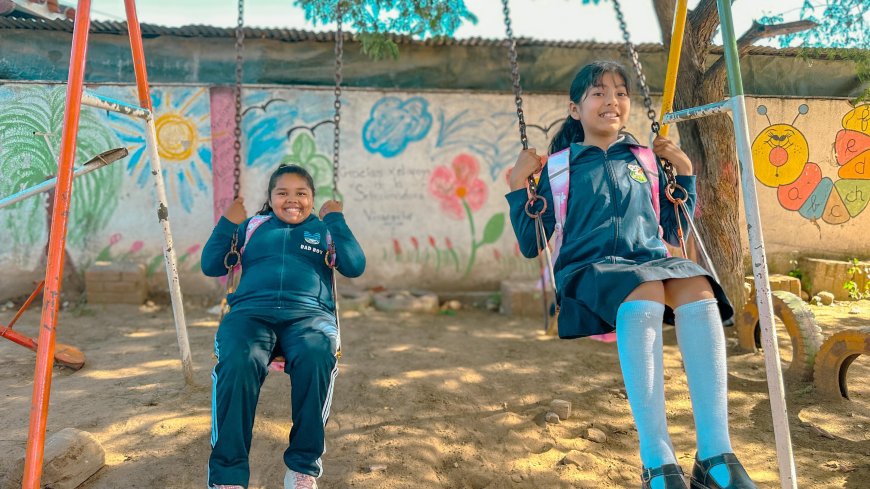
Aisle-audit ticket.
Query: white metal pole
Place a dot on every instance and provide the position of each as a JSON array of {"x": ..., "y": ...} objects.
[{"x": 169, "y": 252}]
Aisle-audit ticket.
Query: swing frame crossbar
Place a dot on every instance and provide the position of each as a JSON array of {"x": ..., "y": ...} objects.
[
  {"x": 97, "y": 162},
  {"x": 737, "y": 106},
  {"x": 75, "y": 97}
]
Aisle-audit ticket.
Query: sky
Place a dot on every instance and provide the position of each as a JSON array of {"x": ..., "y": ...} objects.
[{"x": 562, "y": 20}]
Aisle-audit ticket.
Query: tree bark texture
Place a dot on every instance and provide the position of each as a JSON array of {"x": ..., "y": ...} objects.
[{"x": 710, "y": 144}]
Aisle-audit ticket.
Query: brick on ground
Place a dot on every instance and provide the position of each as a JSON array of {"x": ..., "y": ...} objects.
[{"x": 115, "y": 283}]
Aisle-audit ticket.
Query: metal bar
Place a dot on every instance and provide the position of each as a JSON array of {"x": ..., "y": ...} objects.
[
  {"x": 56, "y": 245},
  {"x": 162, "y": 208},
  {"x": 95, "y": 163},
  {"x": 784, "y": 455},
  {"x": 673, "y": 63},
  {"x": 698, "y": 112},
  {"x": 16, "y": 337},
  {"x": 26, "y": 304},
  {"x": 94, "y": 100}
]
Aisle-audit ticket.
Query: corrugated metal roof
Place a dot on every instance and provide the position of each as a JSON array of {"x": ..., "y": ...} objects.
[{"x": 295, "y": 35}]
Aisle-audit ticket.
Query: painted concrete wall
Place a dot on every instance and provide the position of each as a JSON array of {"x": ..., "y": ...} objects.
[
  {"x": 812, "y": 167},
  {"x": 422, "y": 175}
]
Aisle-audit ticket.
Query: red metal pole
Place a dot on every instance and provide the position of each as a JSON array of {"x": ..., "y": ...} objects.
[
  {"x": 56, "y": 246},
  {"x": 138, "y": 55},
  {"x": 26, "y": 304}
]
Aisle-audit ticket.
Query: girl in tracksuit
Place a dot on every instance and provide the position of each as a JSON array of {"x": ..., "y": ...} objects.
[
  {"x": 614, "y": 272},
  {"x": 283, "y": 302}
]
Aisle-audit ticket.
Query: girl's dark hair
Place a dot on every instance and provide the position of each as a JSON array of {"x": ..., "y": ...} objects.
[
  {"x": 588, "y": 76},
  {"x": 284, "y": 170}
]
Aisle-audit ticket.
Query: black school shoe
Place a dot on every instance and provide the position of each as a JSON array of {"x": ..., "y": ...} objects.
[
  {"x": 701, "y": 478},
  {"x": 673, "y": 474}
]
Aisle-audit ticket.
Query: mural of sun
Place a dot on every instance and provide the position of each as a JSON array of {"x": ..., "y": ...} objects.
[{"x": 183, "y": 134}]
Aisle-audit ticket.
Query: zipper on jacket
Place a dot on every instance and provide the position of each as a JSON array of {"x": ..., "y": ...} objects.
[
  {"x": 614, "y": 218},
  {"x": 283, "y": 267}
]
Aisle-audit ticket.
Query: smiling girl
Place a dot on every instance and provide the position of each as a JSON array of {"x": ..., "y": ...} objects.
[{"x": 284, "y": 299}]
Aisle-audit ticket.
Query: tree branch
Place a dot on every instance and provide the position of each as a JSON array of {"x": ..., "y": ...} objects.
[
  {"x": 665, "y": 10},
  {"x": 704, "y": 19},
  {"x": 756, "y": 32}
]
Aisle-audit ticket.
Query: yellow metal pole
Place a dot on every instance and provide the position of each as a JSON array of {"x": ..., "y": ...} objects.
[{"x": 673, "y": 62}]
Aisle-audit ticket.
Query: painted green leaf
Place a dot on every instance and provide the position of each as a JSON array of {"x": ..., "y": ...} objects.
[
  {"x": 493, "y": 229},
  {"x": 303, "y": 147}
]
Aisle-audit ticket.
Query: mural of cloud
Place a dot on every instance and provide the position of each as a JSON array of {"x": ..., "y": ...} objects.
[{"x": 394, "y": 123}]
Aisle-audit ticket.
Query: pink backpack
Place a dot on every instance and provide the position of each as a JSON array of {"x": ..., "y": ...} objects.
[{"x": 557, "y": 170}]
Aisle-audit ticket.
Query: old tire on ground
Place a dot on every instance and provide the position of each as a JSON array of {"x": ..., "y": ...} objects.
[
  {"x": 800, "y": 323},
  {"x": 833, "y": 361}
]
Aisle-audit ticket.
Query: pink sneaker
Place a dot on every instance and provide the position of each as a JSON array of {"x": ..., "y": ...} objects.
[
  {"x": 295, "y": 480},
  {"x": 224, "y": 486}
]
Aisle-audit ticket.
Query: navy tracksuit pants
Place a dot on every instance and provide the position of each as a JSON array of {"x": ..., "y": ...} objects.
[{"x": 243, "y": 344}]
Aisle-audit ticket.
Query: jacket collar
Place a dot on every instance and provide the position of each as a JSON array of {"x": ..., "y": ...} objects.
[{"x": 577, "y": 149}]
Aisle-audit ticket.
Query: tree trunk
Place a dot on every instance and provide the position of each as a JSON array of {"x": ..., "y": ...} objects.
[{"x": 709, "y": 142}]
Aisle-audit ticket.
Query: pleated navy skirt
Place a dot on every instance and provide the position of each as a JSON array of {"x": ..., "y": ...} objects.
[{"x": 590, "y": 296}]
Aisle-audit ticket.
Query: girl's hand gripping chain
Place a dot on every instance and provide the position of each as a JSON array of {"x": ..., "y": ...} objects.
[
  {"x": 668, "y": 150},
  {"x": 528, "y": 163},
  {"x": 330, "y": 206},
  {"x": 236, "y": 212}
]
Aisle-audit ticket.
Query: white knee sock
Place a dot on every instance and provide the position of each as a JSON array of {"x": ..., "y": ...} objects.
[
  {"x": 639, "y": 341},
  {"x": 702, "y": 344}
]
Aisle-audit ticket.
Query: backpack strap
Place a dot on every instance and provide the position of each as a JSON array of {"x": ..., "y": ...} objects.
[
  {"x": 252, "y": 226},
  {"x": 557, "y": 170},
  {"x": 647, "y": 160}
]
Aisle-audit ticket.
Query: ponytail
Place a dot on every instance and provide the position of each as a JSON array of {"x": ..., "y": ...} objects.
[{"x": 570, "y": 132}]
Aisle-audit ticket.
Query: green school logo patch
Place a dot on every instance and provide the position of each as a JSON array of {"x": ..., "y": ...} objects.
[{"x": 637, "y": 174}]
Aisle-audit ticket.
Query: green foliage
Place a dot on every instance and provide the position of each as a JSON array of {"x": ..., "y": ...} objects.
[
  {"x": 856, "y": 291},
  {"x": 375, "y": 19}
]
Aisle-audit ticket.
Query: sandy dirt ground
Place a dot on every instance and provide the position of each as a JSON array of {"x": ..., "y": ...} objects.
[{"x": 422, "y": 401}]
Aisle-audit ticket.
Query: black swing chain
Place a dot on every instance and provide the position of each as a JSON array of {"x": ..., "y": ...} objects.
[
  {"x": 339, "y": 53},
  {"x": 641, "y": 78},
  {"x": 237, "y": 131},
  {"x": 518, "y": 100}
]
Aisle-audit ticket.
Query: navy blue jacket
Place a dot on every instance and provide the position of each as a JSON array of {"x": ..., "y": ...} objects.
[
  {"x": 283, "y": 266},
  {"x": 610, "y": 216}
]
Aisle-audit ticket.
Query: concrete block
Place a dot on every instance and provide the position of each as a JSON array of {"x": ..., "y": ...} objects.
[
  {"x": 829, "y": 275},
  {"x": 778, "y": 282},
  {"x": 561, "y": 407},
  {"x": 521, "y": 298},
  {"x": 71, "y": 457},
  {"x": 108, "y": 282}
]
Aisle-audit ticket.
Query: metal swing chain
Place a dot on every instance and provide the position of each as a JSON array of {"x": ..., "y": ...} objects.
[
  {"x": 237, "y": 131},
  {"x": 329, "y": 258},
  {"x": 518, "y": 100},
  {"x": 237, "y": 156},
  {"x": 668, "y": 167},
  {"x": 336, "y": 119},
  {"x": 339, "y": 53},
  {"x": 540, "y": 234}
]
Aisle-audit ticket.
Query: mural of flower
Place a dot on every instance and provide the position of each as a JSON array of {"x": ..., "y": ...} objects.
[
  {"x": 457, "y": 187},
  {"x": 183, "y": 132},
  {"x": 460, "y": 191}
]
